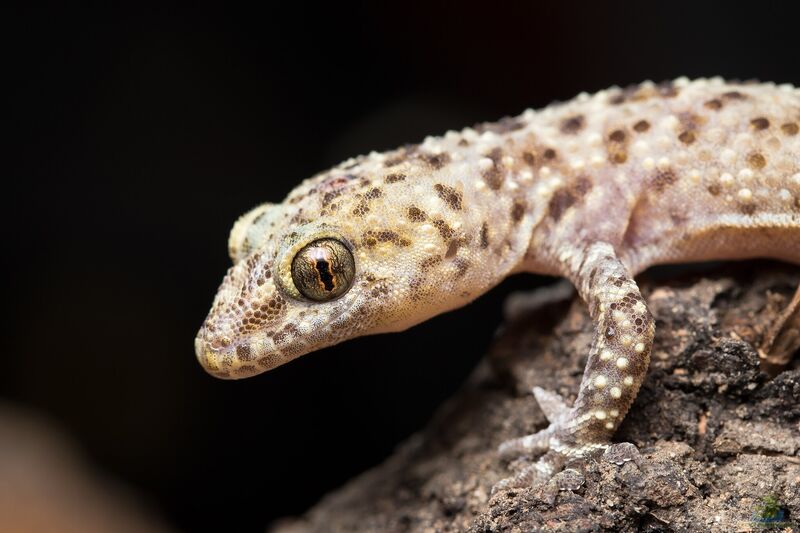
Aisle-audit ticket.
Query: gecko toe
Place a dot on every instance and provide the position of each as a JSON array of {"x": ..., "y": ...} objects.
[
  {"x": 555, "y": 444},
  {"x": 534, "y": 474},
  {"x": 534, "y": 444}
]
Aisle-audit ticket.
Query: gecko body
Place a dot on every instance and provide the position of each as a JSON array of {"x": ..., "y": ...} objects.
[{"x": 596, "y": 190}]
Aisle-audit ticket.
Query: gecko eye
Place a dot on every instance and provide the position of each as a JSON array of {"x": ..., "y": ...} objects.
[{"x": 323, "y": 270}]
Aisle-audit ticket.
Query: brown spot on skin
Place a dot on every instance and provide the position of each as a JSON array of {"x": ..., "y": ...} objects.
[
  {"x": 714, "y": 104},
  {"x": 246, "y": 246},
  {"x": 463, "y": 142},
  {"x": 462, "y": 265},
  {"x": 663, "y": 179},
  {"x": 361, "y": 209},
  {"x": 687, "y": 137},
  {"x": 517, "y": 211},
  {"x": 328, "y": 197},
  {"x": 452, "y": 249},
  {"x": 561, "y": 200},
  {"x": 617, "y": 136},
  {"x": 747, "y": 209},
  {"x": 494, "y": 176},
  {"x": 616, "y": 147},
  {"x": 436, "y": 161},
  {"x": 258, "y": 218},
  {"x": 714, "y": 189},
  {"x": 566, "y": 197},
  {"x": 667, "y": 89},
  {"x": 484, "y": 235},
  {"x": 759, "y": 123},
  {"x": 393, "y": 161},
  {"x": 444, "y": 230},
  {"x": 733, "y": 95},
  {"x": 416, "y": 214},
  {"x": 289, "y": 330},
  {"x": 449, "y": 195},
  {"x": 790, "y": 128},
  {"x": 372, "y": 237},
  {"x": 402, "y": 155},
  {"x": 641, "y": 126},
  {"x": 380, "y": 290},
  {"x": 244, "y": 353},
  {"x": 394, "y": 178},
  {"x": 528, "y": 158},
  {"x": 550, "y": 154},
  {"x": 415, "y": 285},
  {"x": 617, "y": 99},
  {"x": 573, "y": 125},
  {"x": 756, "y": 160},
  {"x": 618, "y": 156},
  {"x": 633, "y": 93},
  {"x": 690, "y": 121},
  {"x": 428, "y": 262}
]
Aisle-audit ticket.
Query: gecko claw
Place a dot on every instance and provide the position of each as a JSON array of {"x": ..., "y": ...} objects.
[
  {"x": 542, "y": 442},
  {"x": 555, "y": 444}
]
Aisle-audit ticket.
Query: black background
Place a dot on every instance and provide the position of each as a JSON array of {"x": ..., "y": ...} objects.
[{"x": 140, "y": 134}]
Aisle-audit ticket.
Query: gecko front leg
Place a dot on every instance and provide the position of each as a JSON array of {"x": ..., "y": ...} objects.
[{"x": 618, "y": 359}]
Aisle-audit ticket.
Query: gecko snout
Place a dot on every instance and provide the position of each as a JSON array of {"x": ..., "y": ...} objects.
[
  {"x": 227, "y": 359},
  {"x": 234, "y": 357},
  {"x": 212, "y": 357}
]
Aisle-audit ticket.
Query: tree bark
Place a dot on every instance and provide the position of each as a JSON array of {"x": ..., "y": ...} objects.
[{"x": 717, "y": 440}]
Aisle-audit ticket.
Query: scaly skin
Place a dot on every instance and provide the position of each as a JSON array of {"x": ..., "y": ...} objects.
[{"x": 595, "y": 190}]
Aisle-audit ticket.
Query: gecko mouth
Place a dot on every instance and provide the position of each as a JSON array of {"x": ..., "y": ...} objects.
[
  {"x": 249, "y": 355},
  {"x": 241, "y": 359}
]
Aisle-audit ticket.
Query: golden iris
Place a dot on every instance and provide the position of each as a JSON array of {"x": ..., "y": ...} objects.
[{"x": 323, "y": 269}]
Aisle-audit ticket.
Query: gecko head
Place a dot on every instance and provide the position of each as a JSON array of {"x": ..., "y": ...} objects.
[
  {"x": 341, "y": 257},
  {"x": 291, "y": 295},
  {"x": 374, "y": 246}
]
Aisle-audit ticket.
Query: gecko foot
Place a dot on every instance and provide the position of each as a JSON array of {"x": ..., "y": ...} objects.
[
  {"x": 616, "y": 366},
  {"x": 556, "y": 444}
]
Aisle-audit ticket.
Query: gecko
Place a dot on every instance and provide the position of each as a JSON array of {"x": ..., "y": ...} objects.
[{"x": 594, "y": 190}]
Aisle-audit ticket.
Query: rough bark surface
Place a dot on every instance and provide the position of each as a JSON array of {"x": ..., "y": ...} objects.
[{"x": 716, "y": 439}]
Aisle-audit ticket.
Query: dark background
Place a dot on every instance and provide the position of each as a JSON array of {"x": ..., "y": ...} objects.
[{"x": 140, "y": 135}]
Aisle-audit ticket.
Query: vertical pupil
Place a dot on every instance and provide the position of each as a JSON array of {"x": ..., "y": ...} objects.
[{"x": 325, "y": 275}]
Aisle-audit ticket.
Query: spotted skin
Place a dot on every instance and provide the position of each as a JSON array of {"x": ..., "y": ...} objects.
[{"x": 596, "y": 190}]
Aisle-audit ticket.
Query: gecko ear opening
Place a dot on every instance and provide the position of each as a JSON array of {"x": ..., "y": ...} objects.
[{"x": 249, "y": 231}]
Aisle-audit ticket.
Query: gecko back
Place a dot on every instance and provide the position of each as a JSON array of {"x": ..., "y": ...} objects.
[{"x": 680, "y": 172}]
